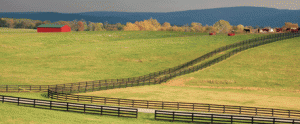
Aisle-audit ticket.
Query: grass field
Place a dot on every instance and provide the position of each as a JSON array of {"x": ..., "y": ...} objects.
[
  {"x": 34, "y": 58},
  {"x": 266, "y": 76},
  {"x": 31, "y": 58}
]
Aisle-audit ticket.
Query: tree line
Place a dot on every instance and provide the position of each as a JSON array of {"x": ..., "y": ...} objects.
[{"x": 221, "y": 26}]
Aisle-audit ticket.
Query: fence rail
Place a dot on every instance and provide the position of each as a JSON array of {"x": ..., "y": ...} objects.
[
  {"x": 142, "y": 79},
  {"x": 73, "y": 107},
  {"x": 256, "y": 111},
  {"x": 216, "y": 118}
]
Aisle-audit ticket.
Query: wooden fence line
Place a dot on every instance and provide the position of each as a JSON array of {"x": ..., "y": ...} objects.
[
  {"x": 156, "y": 80},
  {"x": 216, "y": 118},
  {"x": 43, "y": 88},
  {"x": 73, "y": 107},
  {"x": 257, "y": 111}
]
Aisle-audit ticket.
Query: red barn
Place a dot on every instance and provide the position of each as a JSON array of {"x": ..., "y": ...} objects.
[{"x": 53, "y": 28}]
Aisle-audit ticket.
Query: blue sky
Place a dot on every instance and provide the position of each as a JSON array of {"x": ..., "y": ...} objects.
[{"x": 74, "y": 6}]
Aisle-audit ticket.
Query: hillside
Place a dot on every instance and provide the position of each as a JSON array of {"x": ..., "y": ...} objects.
[{"x": 250, "y": 16}]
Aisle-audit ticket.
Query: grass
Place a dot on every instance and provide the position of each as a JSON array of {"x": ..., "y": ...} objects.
[
  {"x": 266, "y": 76},
  {"x": 30, "y": 58}
]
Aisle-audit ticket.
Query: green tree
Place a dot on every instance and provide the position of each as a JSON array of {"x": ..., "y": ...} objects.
[
  {"x": 222, "y": 26},
  {"x": 3, "y": 23}
]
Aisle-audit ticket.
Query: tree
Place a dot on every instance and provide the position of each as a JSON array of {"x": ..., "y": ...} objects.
[
  {"x": 3, "y": 23},
  {"x": 99, "y": 27},
  {"x": 155, "y": 23},
  {"x": 11, "y": 23},
  {"x": 166, "y": 27},
  {"x": 74, "y": 25},
  {"x": 222, "y": 26},
  {"x": 46, "y": 22},
  {"x": 120, "y": 26},
  {"x": 240, "y": 28},
  {"x": 196, "y": 27},
  {"x": 80, "y": 26},
  {"x": 37, "y": 23},
  {"x": 64, "y": 23},
  {"x": 131, "y": 27}
]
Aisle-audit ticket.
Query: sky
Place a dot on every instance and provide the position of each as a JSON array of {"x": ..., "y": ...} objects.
[{"x": 76, "y": 6}]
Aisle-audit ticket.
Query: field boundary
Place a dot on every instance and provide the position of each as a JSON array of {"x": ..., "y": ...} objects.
[
  {"x": 152, "y": 77},
  {"x": 72, "y": 107},
  {"x": 216, "y": 118},
  {"x": 201, "y": 107}
]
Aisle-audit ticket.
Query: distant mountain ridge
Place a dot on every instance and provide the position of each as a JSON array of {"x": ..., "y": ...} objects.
[{"x": 249, "y": 16}]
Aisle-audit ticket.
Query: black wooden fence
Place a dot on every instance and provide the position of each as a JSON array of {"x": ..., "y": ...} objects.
[
  {"x": 257, "y": 111},
  {"x": 73, "y": 107},
  {"x": 91, "y": 85},
  {"x": 217, "y": 118},
  {"x": 163, "y": 76}
]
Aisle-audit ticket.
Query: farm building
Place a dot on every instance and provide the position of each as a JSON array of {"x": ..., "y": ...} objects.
[{"x": 53, "y": 28}]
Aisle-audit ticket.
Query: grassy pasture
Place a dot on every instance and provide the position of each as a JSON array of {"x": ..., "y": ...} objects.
[
  {"x": 31, "y": 58},
  {"x": 266, "y": 76},
  {"x": 34, "y": 58}
]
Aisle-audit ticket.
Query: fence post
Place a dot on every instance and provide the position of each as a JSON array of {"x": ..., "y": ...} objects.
[
  {"x": 50, "y": 104},
  {"x": 67, "y": 106},
  {"x": 147, "y": 104},
  {"x": 18, "y": 100},
  {"x": 93, "y": 86},
  {"x": 288, "y": 110},
  {"x": 273, "y": 120},
  {"x": 6, "y": 88},
  {"x": 2, "y": 99},
  {"x": 193, "y": 106},
  {"x": 149, "y": 79},
  {"x": 105, "y": 100},
  {"x": 223, "y": 108},
  {"x": 119, "y": 101},
  {"x": 240, "y": 109},
  {"x": 144, "y": 80},
  {"x": 83, "y": 108},
  {"x": 99, "y": 85},
  {"x": 173, "y": 115},
  {"x": 192, "y": 117},
  {"x": 255, "y": 111},
  {"x": 252, "y": 120},
  {"x": 101, "y": 109},
  {"x": 272, "y": 112},
  {"x": 212, "y": 118},
  {"x": 118, "y": 112},
  {"x": 106, "y": 84},
  {"x": 231, "y": 119},
  {"x": 34, "y": 103},
  {"x": 132, "y": 103}
]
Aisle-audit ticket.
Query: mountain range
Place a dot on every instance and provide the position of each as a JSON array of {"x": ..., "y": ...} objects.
[{"x": 247, "y": 16}]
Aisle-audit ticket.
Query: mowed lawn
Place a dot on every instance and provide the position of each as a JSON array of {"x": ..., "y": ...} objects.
[
  {"x": 31, "y": 58},
  {"x": 265, "y": 76}
]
